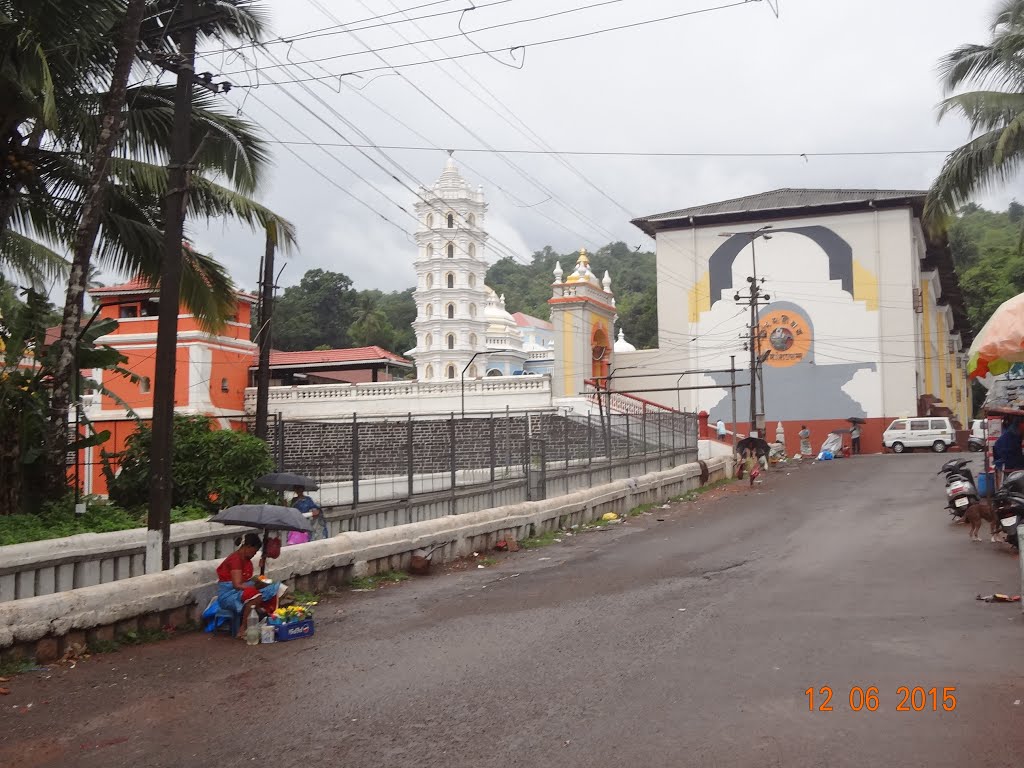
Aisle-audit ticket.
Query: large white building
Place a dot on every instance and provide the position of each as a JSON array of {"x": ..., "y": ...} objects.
[
  {"x": 462, "y": 326},
  {"x": 865, "y": 317}
]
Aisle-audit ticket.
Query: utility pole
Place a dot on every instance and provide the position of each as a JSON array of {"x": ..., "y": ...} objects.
[
  {"x": 754, "y": 341},
  {"x": 265, "y": 338},
  {"x": 183, "y": 28},
  {"x": 755, "y": 300},
  {"x": 732, "y": 391},
  {"x": 158, "y": 544}
]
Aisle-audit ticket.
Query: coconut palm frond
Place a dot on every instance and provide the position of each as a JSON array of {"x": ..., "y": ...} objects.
[
  {"x": 212, "y": 200},
  {"x": 969, "y": 170},
  {"x": 29, "y": 259},
  {"x": 984, "y": 110}
]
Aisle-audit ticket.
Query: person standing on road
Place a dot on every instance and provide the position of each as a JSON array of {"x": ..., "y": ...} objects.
[
  {"x": 805, "y": 440},
  {"x": 855, "y": 439},
  {"x": 721, "y": 430}
]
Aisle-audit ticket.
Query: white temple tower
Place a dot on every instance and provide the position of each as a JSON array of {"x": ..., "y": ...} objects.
[{"x": 450, "y": 295}]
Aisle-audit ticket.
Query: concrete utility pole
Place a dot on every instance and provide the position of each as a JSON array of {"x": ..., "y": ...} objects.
[
  {"x": 755, "y": 299},
  {"x": 158, "y": 538},
  {"x": 182, "y": 63}
]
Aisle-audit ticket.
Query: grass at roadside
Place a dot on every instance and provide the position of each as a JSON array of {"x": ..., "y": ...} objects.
[
  {"x": 696, "y": 493},
  {"x": 540, "y": 540},
  {"x": 57, "y": 520},
  {"x": 378, "y": 579}
]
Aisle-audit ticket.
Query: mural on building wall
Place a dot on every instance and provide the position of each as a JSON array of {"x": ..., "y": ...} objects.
[{"x": 815, "y": 367}]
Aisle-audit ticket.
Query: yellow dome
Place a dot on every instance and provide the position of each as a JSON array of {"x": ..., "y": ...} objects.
[{"x": 582, "y": 273}]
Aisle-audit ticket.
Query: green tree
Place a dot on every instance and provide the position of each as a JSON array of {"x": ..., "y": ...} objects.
[
  {"x": 86, "y": 167},
  {"x": 212, "y": 469},
  {"x": 370, "y": 323},
  {"x": 316, "y": 312},
  {"x": 989, "y": 263},
  {"x": 995, "y": 113}
]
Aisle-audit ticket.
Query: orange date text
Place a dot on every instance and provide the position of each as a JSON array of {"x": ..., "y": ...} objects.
[{"x": 860, "y": 699}]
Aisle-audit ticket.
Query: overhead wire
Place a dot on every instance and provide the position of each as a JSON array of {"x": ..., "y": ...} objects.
[
  {"x": 518, "y": 169},
  {"x": 529, "y": 132},
  {"x": 536, "y": 43},
  {"x": 406, "y": 42}
]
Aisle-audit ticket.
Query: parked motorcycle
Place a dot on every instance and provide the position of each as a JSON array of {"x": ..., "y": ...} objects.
[
  {"x": 1009, "y": 501},
  {"x": 961, "y": 488}
]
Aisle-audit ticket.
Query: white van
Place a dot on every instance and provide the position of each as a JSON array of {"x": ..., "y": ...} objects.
[{"x": 931, "y": 432}]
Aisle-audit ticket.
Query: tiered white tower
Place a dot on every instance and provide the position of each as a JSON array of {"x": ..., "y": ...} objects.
[{"x": 450, "y": 325}]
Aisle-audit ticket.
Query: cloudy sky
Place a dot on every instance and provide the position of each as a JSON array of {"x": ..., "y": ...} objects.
[{"x": 824, "y": 76}]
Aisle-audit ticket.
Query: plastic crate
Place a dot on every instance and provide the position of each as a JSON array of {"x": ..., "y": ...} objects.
[{"x": 294, "y": 631}]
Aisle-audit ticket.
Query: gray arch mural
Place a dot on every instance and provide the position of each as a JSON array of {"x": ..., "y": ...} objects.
[{"x": 838, "y": 251}]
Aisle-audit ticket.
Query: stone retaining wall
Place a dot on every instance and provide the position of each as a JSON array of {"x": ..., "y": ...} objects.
[{"x": 44, "y": 627}]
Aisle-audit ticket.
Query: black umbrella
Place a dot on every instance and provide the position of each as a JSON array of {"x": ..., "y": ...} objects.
[
  {"x": 856, "y": 420},
  {"x": 756, "y": 444},
  {"x": 269, "y": 517},
  {"x": 285, "y": 481}
]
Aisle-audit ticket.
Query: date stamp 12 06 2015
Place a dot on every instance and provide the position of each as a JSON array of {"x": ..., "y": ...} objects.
[{"x": 907, "y": 699}]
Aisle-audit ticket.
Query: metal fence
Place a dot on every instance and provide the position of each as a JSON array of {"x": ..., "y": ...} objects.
[{"x": 360, "y": 460}]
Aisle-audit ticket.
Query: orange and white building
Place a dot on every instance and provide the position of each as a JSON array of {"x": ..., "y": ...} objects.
[{"x": 211, "y": 369}]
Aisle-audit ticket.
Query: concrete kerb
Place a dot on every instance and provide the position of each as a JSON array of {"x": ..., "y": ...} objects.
[{"x": 331, "y": 561}]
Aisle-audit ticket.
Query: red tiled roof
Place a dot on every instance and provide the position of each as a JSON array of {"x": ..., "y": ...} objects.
[
  {"x": 52, "y": 335},
  {"x": 334, "y": 357},
  {"x": 524, "y": 320},
  {"x": 135, "y": 284}
]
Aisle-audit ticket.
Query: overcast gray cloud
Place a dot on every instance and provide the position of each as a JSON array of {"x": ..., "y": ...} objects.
[{"x": 825, "y": 76}]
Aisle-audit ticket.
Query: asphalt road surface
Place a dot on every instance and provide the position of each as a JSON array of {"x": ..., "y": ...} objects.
[{"x": 685, "y": 642}]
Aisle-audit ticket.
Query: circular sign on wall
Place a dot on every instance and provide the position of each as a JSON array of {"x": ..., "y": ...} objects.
[{"x": 786, "y": 336}]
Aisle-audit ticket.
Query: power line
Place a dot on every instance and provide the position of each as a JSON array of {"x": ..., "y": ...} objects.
[
  {"x": 522, "y": 46},
  {"x": 529, "y": 132},
  {"x": 406, "y": 42},
  {"x": 640, "y": 153},
  {"x": 472, "y": 133},
  {"x": 324, "y": 31}
]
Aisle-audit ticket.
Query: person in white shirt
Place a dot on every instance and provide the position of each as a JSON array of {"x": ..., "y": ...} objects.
[{"x": 721, "y": 429}]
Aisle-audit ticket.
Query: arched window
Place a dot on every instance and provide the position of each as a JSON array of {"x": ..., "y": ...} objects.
[
  {"x": 430, "y": 280},
  {"x": 430, "y": 250},
  {"x": 471, "y": 219},
  {"x": 430, "y": 220},
  {"x": 472, "y": 280},
  {"x": 451, "y": 221},
  {"x": 472, "y": 251},
  {"x": 428, "y": 374},
  {"x": 472, "y": 371},
  {"x": 472, "y": 310},
  {"x": 451, "y": 280},
  {"x": 495, "y": 372},
  {"x": 450, "y": 309},
  {"x": 472, "y": 343},
  {"x": 429, "y": 310},
  {"x": 451, "y": 371},
  {"x": 428, "y": 341},
  {"x": 451, "y": 341},
  {"x": 451, "y": 250},
  {"x": 144, "y": 384}
]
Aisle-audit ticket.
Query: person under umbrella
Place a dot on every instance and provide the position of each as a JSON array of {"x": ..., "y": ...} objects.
[
  {"x": 235, "y": 586},
  {"x": 305, "y": 504}
]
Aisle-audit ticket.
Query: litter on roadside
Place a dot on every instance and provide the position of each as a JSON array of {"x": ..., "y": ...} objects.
[{"x": 997, "y": 598}]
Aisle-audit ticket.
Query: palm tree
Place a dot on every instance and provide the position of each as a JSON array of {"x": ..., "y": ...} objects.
[
  {"x": 93, "y": 174},
  {"x": 371, "y": 325},
  {"x": 995, "y": 113}
]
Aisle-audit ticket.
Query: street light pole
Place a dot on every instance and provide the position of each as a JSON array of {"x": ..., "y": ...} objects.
[{"x": 462, "y": 376}]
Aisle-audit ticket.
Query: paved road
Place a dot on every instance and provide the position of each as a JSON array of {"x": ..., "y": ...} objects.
[{"x": 840, "y": 574}]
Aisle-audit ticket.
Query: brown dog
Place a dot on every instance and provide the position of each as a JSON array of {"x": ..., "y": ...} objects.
[{"x": 978, "y": 511}]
